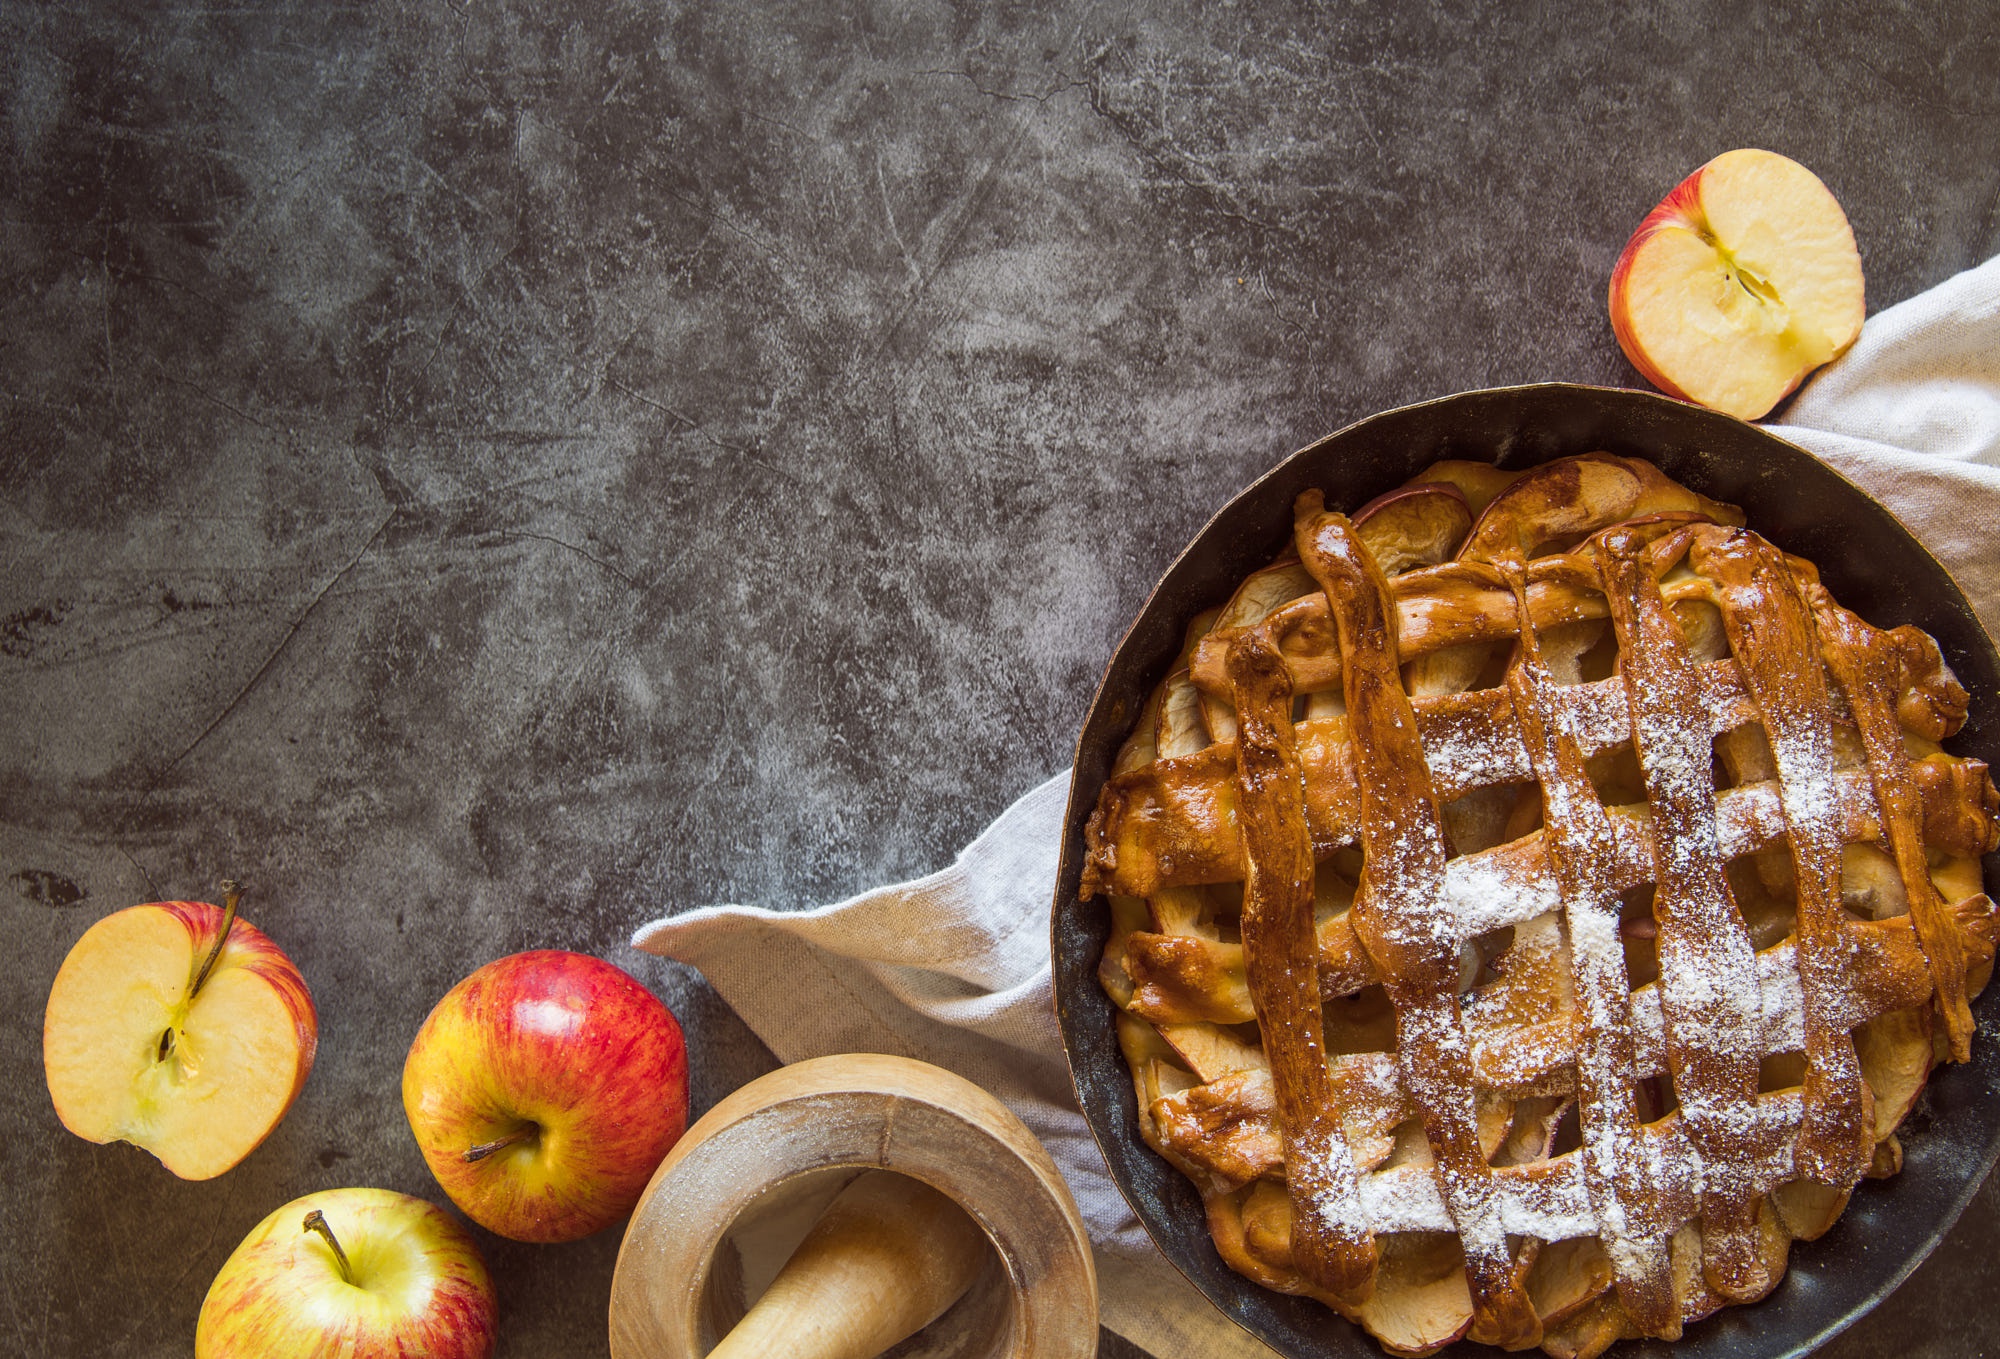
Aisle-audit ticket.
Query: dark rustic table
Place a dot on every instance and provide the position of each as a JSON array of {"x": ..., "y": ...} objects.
[{"x": 489, "y": 474}]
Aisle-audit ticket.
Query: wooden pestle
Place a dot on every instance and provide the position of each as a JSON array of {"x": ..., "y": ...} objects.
[{"x": 890, "y": 1255}]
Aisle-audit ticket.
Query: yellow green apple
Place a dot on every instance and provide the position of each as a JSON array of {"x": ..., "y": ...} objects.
[
  {"x": 358, "y": 1273},
  {"x": 543, "y": 1091},
  {"x": 179, "y": 1028}
]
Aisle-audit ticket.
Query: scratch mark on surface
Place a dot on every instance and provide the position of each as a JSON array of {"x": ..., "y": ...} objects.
[
  {"x": 1277, "y": 308},
  {"x": 193, "y": 1257},
  {"x": 661, "y": 407},
  {"x": 974, "y": 204},
  {"x": 779, "y": 122},
  {"x": 1208, "y": 185},
  {"x": 152, "y": 888},
  {"x": 110, "y": 361},
  {"x": 1064, "y": 84},
  {"x": 127, "y": 274},
  {"x": 113, "y": 1238},
  {"x": 596, "y": 561},
  {"x": 776, "y": 255},
  {"x": 283, "y": 642},
  {"x": 889, "y": 214},
  {"x": 214, "y": 400},
  {"x": 444, "y": 331},
  {"x": 687, "y": 420}
]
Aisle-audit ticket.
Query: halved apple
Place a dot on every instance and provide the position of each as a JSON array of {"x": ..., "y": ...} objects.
[
  {"x": 156, "y": 1036},
  {"x": 1743, "y": 280}
]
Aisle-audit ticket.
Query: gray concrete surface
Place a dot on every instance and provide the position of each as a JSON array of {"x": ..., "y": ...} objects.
[{"x": 491, "y": 473}]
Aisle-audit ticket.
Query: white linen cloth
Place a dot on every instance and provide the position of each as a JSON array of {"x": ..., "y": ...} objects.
[{"x": 954, "y": 968}]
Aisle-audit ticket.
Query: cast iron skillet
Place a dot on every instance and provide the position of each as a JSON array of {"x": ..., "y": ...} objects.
[{"x": 1872, "y": 565}]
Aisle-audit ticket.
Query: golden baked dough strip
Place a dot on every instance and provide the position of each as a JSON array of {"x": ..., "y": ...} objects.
[
  {"x": 1185, "y": 980},
  {"x": 1171, "y": 823},
  {"x": 1333, "y": 1247},
  {"x": 1399, "y": 915},
  {"x": 1202, "y": 978},
  {"x": 1708, "y": 969},
  {"x": 1771, "y": 632},
  {"x": 1225, "y": 1127},
  {"x": 1866, "y": 672},
  {"x": 1548, "y": 1198},
  {"x": 1890, "y": 972},
  {"x": 1451, "y": 604},
  {"x": 1581, "y": 850}
]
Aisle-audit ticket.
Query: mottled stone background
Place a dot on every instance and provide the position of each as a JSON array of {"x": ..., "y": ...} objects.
[{"x": 491, "y": 473}]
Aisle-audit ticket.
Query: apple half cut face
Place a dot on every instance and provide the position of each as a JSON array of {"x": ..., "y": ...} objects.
[
  {"x": 134, "y": 1053},
  {"x": 1741, "y": 282}
]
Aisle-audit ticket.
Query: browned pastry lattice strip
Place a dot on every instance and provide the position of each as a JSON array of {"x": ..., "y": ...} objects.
[
  {"x": 1549, "y": 1198},
  {"x": 1334, "y": 1248},
  {"x": 1708, "y": 968},
  {"x": 1558, "y": 503},
  {"x": 1397, "y": 913},
  {"x": 1861, "y": 670},
  {"x": 1771, "y": 632},
  {"x": 1581, "y": 1319},
  {"x": 1225, "y": 1126},
  {"x": 1581, "y": 848},
  {"x": 1451, "y": 604},
  {"x": 1171, "y": 823},
  {"x": 1181, "y": 979},
  {"x": 1889, "y": 973}
]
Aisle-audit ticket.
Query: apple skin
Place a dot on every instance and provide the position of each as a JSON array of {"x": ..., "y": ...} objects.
[
  {"x": 1679, "y": 209},
  {"x": 568, "y": 1048},
  {"x": 419, "y": 1285},
  {"x": 1797, "y": 229},
  {"x": 97, "y": 1007}
]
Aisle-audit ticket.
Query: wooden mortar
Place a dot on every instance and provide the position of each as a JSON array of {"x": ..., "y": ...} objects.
[{"x": 799, "y": 1125}]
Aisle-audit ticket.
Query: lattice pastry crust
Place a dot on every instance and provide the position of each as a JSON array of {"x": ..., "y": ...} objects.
[{"x": 1536, "y": 903}]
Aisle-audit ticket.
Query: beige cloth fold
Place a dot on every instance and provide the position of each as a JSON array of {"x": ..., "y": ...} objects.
[
  {"x": 954, "y": 968},
  {"x": 1911, "y": 414}
]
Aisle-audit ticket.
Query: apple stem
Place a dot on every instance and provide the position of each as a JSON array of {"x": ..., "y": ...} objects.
[
  {"x": 231, "y": 894},
  {"x": 486, "y": 1149},
  {"x": 316, "y": 1222}
]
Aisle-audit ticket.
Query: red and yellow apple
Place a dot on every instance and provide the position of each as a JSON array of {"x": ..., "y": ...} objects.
[
  {"x": 543, "y": 1090},
  {"x": 360, "y": 1273},
  {"x": 181, "y": 1029},
  {"x": 1743, "y": 280}
]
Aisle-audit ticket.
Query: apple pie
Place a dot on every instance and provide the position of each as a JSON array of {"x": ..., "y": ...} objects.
[{"x": 1535, "y": 904}]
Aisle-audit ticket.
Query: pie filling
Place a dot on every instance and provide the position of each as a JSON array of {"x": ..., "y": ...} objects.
[{"x": 1536, "y": 903}]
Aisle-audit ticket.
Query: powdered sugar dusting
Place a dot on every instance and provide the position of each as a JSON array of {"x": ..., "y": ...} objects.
[{"x": 1551, "y": 1011}]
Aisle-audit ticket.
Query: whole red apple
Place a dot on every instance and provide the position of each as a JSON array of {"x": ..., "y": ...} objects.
[
  {"x": 361, "y": 1273},
  {"x": 180, "y": 1028},
  {"x": 544, "y": 1089}
]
